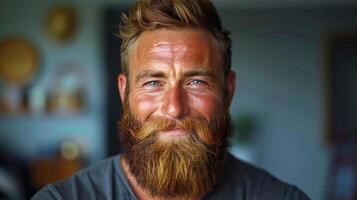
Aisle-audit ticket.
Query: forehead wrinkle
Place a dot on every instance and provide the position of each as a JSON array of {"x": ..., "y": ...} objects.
[
  {"x": 168, "y": 47},
  {"x": 169, "y": 52}
]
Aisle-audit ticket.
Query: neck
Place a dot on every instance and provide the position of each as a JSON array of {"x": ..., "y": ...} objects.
[{"x": 139, "y": 192}]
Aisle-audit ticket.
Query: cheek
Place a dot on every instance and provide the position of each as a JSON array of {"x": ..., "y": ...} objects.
[
  {"x": 143, "y": 106},
  {"x": 206, "y": 105}
]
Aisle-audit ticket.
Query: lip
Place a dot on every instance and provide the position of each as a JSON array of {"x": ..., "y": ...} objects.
[{"x": 174, "y": 132}]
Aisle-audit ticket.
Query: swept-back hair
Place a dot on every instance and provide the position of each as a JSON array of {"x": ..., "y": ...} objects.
[{"x": 173, "y": 14}]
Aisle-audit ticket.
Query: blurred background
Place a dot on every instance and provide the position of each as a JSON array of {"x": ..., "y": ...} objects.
[{"x": 295, "y": 106}]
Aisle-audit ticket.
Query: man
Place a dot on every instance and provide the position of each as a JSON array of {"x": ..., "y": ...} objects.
[{"x": 176, "y": 86}]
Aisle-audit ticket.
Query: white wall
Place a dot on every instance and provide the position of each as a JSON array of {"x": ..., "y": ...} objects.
[{"x": 279, "y": 59}]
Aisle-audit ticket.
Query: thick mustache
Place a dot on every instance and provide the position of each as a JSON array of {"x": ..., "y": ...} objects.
[
  {"x": 156, "y": 125},
  {"x": 198, "y": 126}
]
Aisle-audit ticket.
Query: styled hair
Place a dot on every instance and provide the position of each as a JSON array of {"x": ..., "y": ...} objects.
[{"x": 172, "y": 14}]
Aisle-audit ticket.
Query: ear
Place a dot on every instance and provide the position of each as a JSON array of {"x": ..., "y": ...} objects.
[
  {"x": 231, "y": 86},
  {"x": 122, "y": 86}
]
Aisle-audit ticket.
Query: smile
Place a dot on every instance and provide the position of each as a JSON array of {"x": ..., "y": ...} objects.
[{"x": 174, "y": 132}]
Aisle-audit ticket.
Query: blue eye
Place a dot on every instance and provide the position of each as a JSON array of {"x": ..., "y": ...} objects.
[
  {"x": 152, "y": 83},
  {"x": 197, "y": 82}
]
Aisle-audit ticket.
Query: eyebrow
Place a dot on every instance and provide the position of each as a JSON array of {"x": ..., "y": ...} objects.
[
  {"x": 199, "y": 72},
  {"x": 149, "y": 73},
  {"x": 189, "y": 73}
]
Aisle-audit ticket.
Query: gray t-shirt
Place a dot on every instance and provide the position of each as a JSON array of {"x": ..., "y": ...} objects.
[{"x": 106, "y": 180}]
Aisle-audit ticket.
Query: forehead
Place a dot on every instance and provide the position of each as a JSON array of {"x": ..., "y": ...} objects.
[{"x": 189, "y": 47}]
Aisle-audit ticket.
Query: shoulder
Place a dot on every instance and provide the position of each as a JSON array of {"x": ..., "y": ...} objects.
[
  {"x": 241, "y": 180},
  {"x": 89, "y": 183}
]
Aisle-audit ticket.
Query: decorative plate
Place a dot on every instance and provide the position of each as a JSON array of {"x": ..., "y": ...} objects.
[{"x": 18, "y": 60}]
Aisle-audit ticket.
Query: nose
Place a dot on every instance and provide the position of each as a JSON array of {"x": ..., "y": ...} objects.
[{"x": 175, "y": 104}]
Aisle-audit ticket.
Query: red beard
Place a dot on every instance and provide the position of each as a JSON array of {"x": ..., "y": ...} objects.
[{"x": 185, "y": 166}]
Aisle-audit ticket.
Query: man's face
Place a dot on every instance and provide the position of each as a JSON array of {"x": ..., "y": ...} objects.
[
  {"x": 175, "y": 119},
  {"x": 174, "y": 74}
]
